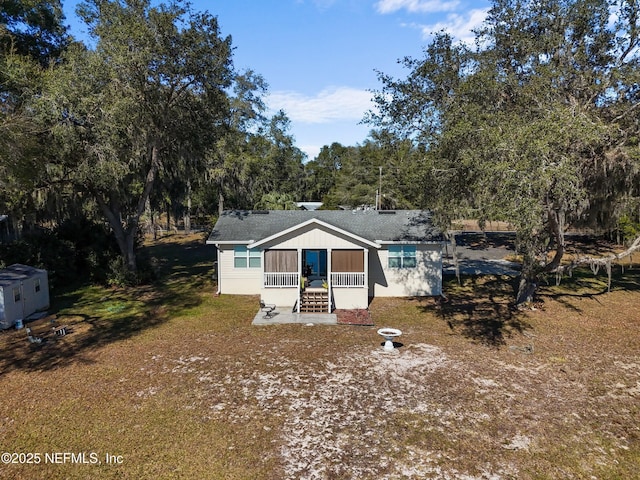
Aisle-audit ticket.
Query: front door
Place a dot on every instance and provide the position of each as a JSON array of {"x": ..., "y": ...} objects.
[{"x": 315, "y": 263}]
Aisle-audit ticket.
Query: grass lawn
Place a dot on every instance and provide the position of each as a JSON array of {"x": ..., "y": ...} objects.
[{"x": 171, "y": 381}]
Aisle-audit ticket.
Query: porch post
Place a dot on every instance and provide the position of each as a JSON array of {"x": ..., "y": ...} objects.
[
  {"x": 218, "y": 269},
  {"x": 366, "y": 270},
  {"x": 329, "y": 292},
  {"x": 262, "y": 266},
  {"x": 300, "y": 273}
]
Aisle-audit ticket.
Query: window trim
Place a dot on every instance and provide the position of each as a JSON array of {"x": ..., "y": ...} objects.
[
  {"x": 406, "y": 256},
  {"x": 246, "y": 256}
]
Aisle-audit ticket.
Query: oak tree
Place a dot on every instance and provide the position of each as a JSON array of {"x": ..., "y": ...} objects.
[
  {"x": 152, "y": 92},
  {"x": 536, "y": 126}
]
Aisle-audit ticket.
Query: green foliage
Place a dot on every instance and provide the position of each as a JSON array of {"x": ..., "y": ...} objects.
[
  {"x": 77, "y": 250},
  {"x": 246, "y": 166},
  {"x": 32, "y": 28},
  {"x": 276, "y": 201},
  {"x": 629, "y": 228},
  {"x": 537, "y": 126},
  {"x": 354, "y": 176},
  {"x": 42, "y": 250},
  {"x": 321, "y": 173},
  {"x": 147, "y": 101},
  {"x": 119, "y": 275},
  {"x": 94, "y": 245}
]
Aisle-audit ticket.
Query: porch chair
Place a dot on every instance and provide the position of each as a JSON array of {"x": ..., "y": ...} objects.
[{"x": 267, "y": 308}]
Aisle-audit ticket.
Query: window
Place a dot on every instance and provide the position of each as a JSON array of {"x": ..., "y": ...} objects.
[
  {"x": 243, "y": 258},
  {"x": 36, "y": 285},
  {"x": 16, "y": 295},
  {"x": 402, "y": 256},
  {"x": 281, "y": 261},
  {"x": 347, "y": 260}
]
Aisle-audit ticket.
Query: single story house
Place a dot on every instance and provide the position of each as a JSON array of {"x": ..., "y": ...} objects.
[
  {"x": 24, "y": 290},
  {"x": 316, "y": 261}
]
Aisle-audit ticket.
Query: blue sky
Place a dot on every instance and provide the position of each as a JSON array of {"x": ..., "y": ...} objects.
[{"x": 320, "y": 57}]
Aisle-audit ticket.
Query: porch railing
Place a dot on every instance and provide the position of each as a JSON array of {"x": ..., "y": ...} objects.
[
  {"x": 281, "y": 280},
  {"x": 347, "y": 279},
  {"x": 292, "y": 279}
]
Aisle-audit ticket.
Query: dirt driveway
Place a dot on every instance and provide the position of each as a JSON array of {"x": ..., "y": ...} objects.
[{"x": 482, "y": 254}]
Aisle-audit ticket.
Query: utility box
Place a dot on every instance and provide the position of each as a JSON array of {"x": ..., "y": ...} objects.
[{"x": 24, "y": 290}]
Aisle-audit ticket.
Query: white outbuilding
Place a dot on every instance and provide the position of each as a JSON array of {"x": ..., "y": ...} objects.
[{"x": 24, "y": 290}]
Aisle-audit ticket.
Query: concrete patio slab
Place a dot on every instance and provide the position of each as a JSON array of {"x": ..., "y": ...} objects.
[{"x": 280, "y": 317}]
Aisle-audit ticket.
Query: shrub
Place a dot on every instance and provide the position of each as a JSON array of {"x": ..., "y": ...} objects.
[
  {"x": 76, "y": 250},
  {"x": 118, "y": 275},
  {"x": 628, "y": 228}
]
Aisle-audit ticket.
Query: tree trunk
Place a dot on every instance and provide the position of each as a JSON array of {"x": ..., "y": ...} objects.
[
  {"x": 526, "y": 290},
  {"x": 126, "y": 235},
  {"x": 187, "y": 215},
  {"x": 531, "y": 269},
  {"x": 151, "y": 222},
  {"x": 130, "y": 254}
]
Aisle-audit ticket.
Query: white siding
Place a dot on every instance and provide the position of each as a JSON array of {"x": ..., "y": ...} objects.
[
  {"x": 241, "y": 281},
  {"x": 284, "y": 298},
  {"x": 313, "y": 236},
  {"x": 10, "y": 311},
  {"x": 34, "y": 301},
  {"x": 424, "y": 280},
  {"x": 350, "y": 298}
]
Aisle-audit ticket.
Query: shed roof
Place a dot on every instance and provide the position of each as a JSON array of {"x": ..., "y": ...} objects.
[
  {"x": 380, "y": 226},
  {"x": 17, "y": 272}
]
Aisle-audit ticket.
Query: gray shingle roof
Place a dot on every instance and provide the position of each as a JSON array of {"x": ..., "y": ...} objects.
[{"x": 392, "y": 226}]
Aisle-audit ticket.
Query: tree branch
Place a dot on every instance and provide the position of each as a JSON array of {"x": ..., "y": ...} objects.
[
  {"x": 597, "y": 262},
  {"x": 625, "y": 113}
]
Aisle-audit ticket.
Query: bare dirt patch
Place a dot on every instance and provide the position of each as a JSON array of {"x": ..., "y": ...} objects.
[
  {"x": 441, "y": 407},
  {"x": 354, "y": 317}
]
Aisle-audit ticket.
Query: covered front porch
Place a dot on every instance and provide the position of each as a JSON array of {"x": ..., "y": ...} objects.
[{"x": 316, "y": 280}]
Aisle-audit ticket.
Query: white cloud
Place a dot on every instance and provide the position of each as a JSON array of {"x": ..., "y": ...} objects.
[
  {"x": 458, "y": 26},
  {"x": 329, "y": 105},
  {"x": 416, "y": 6},
  {"x": 324, "y": 4},
  {"x": 312, "y": 151}
]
